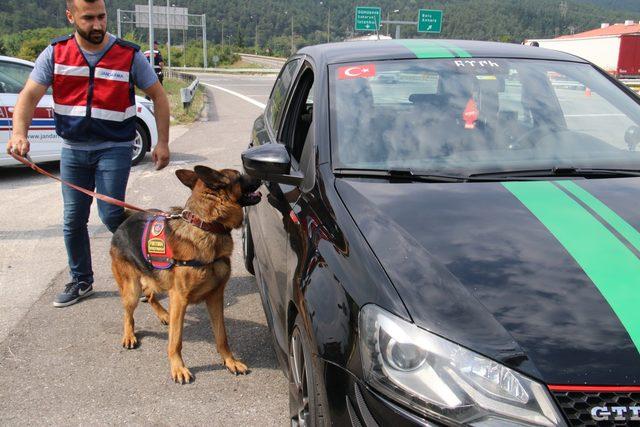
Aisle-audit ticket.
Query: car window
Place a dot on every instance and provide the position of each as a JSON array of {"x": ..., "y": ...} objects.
[
  {"x": 471, "y": 116},
  {"x": 279, "y": 94},
  {"x": 586, "y": 110},
  {"x": 13, "y": 76},
  {"x": 299, "y": 114}
]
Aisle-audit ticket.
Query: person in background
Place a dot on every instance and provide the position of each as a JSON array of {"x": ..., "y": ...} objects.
[{"x": 158, "y": 61}]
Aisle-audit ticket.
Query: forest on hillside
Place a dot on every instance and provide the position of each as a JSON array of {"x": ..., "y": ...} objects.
[{"x": 271, "y": 25}]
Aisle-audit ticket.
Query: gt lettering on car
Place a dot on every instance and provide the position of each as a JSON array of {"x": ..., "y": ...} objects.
[{"x": 357, "y": 71}]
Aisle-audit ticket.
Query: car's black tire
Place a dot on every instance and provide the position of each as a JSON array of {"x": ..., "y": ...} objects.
[
  {"x": 307, "y": 401},
  {"x": 247, "y": 246},
  {"x": 140, "y": 145}
]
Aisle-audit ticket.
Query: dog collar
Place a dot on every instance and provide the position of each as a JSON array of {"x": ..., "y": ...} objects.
[{"x": 211, "y": 227}]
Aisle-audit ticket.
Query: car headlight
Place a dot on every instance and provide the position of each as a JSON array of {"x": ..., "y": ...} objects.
[
  {"x": 148, "y": 105},
  {"x": 445, "y": 381}
]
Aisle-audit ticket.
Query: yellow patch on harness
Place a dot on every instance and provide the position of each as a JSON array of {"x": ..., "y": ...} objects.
[{"x": 156, "y": 246}]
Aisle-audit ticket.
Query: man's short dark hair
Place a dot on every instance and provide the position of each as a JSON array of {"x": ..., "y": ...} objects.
[{"x": 72, "y": 3}]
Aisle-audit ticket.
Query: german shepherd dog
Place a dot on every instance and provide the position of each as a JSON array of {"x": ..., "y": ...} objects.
[{"x": 217, "y": 199}]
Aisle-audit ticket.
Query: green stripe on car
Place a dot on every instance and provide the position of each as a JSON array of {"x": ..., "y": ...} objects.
[
  {"x": 460, "y": 53},
  {"x": 427, "y": 49},
  {"x": 431, "y": 49},
  {"x": 625, "y": 229},
  {"x": 608, "y": 262}
]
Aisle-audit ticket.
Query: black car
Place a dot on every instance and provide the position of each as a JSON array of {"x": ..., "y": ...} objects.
[{"x": 458, "y": 246}]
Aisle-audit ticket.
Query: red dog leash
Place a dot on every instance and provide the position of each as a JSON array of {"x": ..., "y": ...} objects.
[
  {"x": 27, "y": 162},
  {"x": 190, "y": 217}
]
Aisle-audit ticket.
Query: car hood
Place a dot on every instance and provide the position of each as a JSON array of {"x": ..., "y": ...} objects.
[{"x": 542, "y": 276}]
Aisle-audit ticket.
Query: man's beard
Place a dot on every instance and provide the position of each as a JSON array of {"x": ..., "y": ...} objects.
[{"x": 93, "y": 36}]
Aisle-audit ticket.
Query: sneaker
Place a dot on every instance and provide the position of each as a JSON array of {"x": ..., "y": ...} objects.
[{"x": 73, "y": 292}]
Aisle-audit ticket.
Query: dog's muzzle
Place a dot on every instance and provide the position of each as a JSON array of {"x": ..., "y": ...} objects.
[{"x": 250, "y": 195}]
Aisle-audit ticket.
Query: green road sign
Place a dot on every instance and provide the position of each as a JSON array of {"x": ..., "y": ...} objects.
[
  {"x": 368, "y": 18},
  {"x": 429, "y": 21}
]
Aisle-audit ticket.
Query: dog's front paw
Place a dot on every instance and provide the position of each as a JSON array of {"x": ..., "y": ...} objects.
[
  {"x": 129, "y": 341},
  {"x": 181, "y": 375},
  {"x": 235, "y": 366}
]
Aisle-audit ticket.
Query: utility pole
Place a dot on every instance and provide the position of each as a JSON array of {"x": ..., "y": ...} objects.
[
  {"x": 256, "y": 41},
  {"x": 204, "y": 39},
  {"x": 168, "y": 36},
  {"x": 329, "y": 26},
  {"x": 292, "y": 48},
  {"x": 119, "y": 25},
  {"x": 387, "y": 24},
  {"x": 151, "y": 55}
]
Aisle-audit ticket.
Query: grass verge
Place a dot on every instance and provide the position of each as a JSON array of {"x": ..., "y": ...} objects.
[
  {"x": 180, "y": 116},
  {"x": 242, "y": 64}
]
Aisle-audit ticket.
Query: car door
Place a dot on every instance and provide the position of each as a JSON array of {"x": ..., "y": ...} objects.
[
  {"x": 45, "y": 143},
  {"x": 267, "y": 218},
  {"x": 297, "y": 135}
]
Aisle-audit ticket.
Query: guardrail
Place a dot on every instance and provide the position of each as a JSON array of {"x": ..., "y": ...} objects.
[
  {"x": 230, "y": 70},
  {"x": 263, "y": 60},
  {"x": 186, "y": 93}
]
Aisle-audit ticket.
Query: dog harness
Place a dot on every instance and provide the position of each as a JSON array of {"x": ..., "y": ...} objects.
[
  {"x": 157, "y": 251},
  {"x": 94, "y": 102}
]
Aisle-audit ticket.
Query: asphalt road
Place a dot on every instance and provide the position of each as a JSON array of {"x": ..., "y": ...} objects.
[{"x": 66, "y": 366}]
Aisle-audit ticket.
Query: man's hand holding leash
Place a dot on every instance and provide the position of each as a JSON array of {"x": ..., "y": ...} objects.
[{"x": 18, "y": 145}]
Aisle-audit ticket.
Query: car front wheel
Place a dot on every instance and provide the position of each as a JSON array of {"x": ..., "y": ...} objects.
[
  {"x": 306, "y": 404},
  {"x": 140, "y": 144}
]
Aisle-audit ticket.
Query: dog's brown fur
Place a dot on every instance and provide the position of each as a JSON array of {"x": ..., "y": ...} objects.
[{"x": 214, "y": 197}]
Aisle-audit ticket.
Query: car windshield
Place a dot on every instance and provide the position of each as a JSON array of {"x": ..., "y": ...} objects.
[{"x": 480, "y": 115}]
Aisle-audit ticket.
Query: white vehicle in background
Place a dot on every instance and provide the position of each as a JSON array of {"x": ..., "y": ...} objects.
[{"x": 45, "y": 143}]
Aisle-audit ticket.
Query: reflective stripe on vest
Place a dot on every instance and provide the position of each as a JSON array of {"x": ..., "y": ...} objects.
[{"x": 93, "y": 103}]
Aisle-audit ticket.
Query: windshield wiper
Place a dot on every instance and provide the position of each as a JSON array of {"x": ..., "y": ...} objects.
[
  {"x": 559, "y": 171},
  {"x": 398, "y": 175}
]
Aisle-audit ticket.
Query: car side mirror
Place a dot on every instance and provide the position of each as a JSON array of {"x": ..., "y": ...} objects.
[
  {"x": 632, "y": 137},
  {"x": 270, "y": 162}
]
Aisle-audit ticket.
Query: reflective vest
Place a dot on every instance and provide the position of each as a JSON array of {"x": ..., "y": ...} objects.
[
  {"x": 157, "y": 59},
  {"x": 94, "y": 103}
]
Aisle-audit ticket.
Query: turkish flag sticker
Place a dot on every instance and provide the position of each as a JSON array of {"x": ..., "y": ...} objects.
[{"x": 357, "y": 71}]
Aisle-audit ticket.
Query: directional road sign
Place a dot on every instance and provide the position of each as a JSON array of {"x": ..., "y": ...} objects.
[
  {"x": 368, "y": 18},
  {"x": 429, "y": 21}
]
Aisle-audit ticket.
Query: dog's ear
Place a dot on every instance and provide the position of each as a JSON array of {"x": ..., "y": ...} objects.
[
  {"x": 187, "y": 177},
  {"x": 212, "y": 178}
]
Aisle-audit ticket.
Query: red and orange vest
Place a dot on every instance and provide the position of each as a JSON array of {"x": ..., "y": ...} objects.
[{"x": 94, "y": 103}]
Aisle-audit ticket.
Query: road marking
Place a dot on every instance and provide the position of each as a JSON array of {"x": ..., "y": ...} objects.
[{"x": 239, "y": 95}]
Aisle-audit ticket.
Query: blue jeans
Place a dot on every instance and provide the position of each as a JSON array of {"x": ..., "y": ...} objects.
[{"x": 105, "y": 171}]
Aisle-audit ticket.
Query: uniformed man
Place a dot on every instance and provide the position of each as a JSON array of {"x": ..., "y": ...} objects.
[
  {"x": 93, "y": 75},
  {"x": 158, "y": 61}
]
